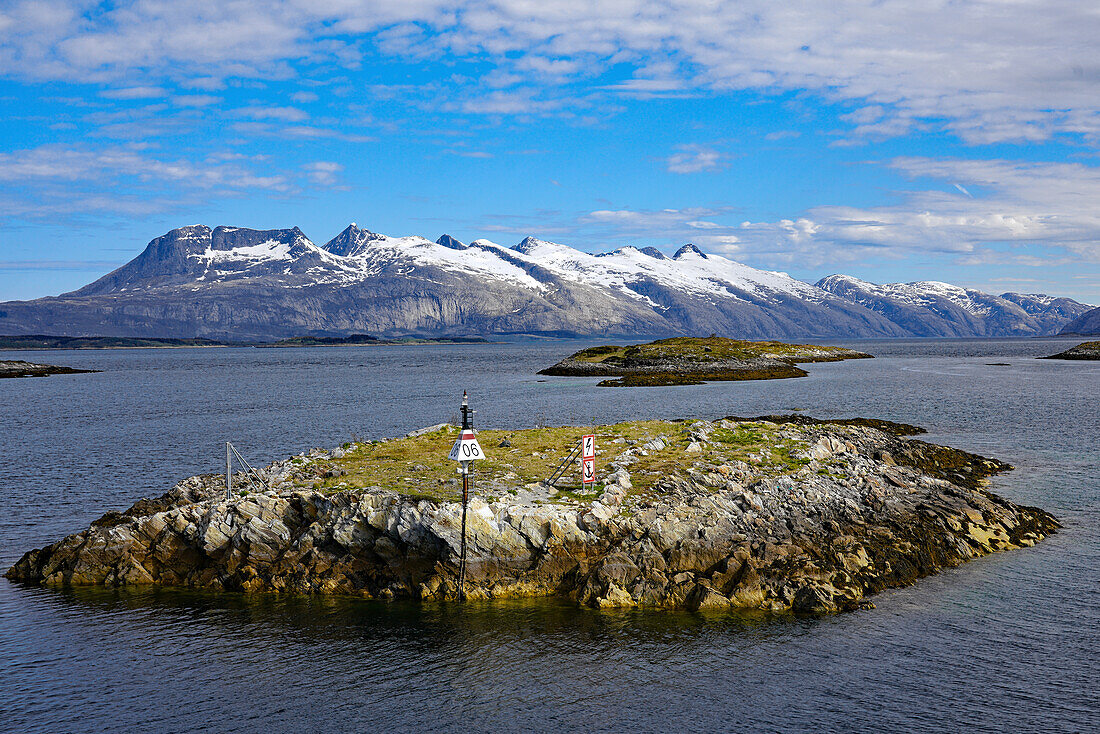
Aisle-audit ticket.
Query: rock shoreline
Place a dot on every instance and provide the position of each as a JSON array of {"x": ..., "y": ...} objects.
[
  {"x": 1086, "y": 350},
  {"x": 19, "y": 368},
  {"x": 833, "y": 514}
]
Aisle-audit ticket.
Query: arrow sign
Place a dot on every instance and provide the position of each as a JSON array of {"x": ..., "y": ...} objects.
[{"x": 466, "y": 448}]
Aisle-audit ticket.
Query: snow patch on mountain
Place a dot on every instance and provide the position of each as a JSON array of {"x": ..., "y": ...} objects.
[
  {"x": 688, "y": 270},
  {"x": 265, "y": 251}
]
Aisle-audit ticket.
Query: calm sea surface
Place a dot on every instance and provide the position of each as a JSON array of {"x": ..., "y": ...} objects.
[{"x": 1006, "y": 643}]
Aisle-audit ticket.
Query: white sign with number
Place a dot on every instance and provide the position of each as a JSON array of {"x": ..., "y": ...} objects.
[{"x": 466, "y": 448}]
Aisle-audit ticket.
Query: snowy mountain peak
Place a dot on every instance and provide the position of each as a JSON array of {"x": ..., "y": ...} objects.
[
  {"x": 352, "y": 241},
  {"x": 233, "y": 238},
  {"x": 621, "y": 251},
  {"x": 934, "y": 308},
  {"x": 528, "y": 244},
  {"x": 447, "y": 241},
  {"x": 689, "y": 250},
  {"x": 838, "y": 279},
  {"x": 654, "y": 253}
]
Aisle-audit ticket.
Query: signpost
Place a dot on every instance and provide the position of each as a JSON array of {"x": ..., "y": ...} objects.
[
  {"x": 465, "y": 451},
  {"x": 588, "y": 459}
]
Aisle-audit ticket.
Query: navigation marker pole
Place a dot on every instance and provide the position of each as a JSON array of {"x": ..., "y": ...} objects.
[
  {"x": 462, "y": 555},
  {"x": 228, "y": 473},
  {"x": 465, "y": 451}
]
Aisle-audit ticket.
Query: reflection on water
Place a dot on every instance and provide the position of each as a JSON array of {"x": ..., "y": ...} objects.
[{"x": 1010, "y": 642}]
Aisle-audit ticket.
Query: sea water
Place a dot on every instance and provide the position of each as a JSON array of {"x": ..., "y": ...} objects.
[{"x": 1010, "y": 642}]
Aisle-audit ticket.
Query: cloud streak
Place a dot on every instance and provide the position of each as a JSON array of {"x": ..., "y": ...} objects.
[
  {"x": 63, "y": 181},
  {"x": 695, "y": 159}
]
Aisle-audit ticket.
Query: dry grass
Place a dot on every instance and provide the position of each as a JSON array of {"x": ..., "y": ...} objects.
[
  {"x": 418, "y": 467},
  {"x": 707, "y": 349}
]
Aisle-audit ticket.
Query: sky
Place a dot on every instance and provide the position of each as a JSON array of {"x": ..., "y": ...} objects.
[{"x": 893, "y": 141}]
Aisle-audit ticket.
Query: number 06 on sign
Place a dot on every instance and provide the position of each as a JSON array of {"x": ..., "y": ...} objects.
[
  {"x": 466, "y": 449},
  {"x": 588, "y": 459}
]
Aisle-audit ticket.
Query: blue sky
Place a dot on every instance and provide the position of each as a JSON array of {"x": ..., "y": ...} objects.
[{"x": 893, "y": 141}]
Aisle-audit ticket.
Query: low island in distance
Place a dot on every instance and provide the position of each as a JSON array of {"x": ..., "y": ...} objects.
[
  {"x": 366, "y": 339},
  {"x": 19, "y": 368},
  {"x": 694, "y": 360},
  {"x": 44, "y": 342},
  {"x": 1085, "y": 350}
]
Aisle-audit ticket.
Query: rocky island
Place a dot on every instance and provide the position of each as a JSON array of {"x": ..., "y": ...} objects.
[
  {"x": 1085, "y": 350},
  {"x": 358, "y": 340},
  {"x": 19, "y": 368},
  {"x": 46, "y": 341},
  {"x": 693, "y": 361},
  {"x": 780, "y": 514}
]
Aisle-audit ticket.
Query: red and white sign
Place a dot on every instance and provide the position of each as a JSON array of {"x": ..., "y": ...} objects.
[
  {"x": 466, "y": 448},
  {"x": 588, "y": 459},
  {"x": 588, "y": 470}
]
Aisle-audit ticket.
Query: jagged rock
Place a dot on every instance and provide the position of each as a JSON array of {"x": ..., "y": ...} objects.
[{"x": 728, "y": 536}]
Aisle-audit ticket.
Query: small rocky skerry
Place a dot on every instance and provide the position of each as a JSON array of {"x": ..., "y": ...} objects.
[
  {"x": 685, "y": 360},
  {"x": 1085, "y": 350},
  {"x": 19, "y": 368},
  {"x": 762, "y": 514}
]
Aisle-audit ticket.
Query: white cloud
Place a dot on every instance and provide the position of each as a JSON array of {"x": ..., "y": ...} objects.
[
  {"x": 1022, "y": 204},
  {"x": 1024, "y": 214},
  {"x": 195, "y": 100},
  {"x": 283, "y": 114},
  {"x": 134, "y": 93},
  {"x": 298, "y": 132},
  {"x": 987, "y": 70},
  {"x": 695, "y": 159},
  {"x": 323, "y": 173},
  {"x": 671, "y": 226},
  {"x": 501, "y": 102},
  {"x": 60, "y": 180}
]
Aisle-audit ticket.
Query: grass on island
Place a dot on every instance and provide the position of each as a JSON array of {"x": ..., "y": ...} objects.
[
  {"x": 418, "y": 467},
  {"x": 706, "y": 349}
]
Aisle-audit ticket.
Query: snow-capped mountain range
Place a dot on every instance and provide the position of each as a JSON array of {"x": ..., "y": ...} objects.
[
  {"x": 931, "y": 308},
  {"x": 238, "y": 283}
]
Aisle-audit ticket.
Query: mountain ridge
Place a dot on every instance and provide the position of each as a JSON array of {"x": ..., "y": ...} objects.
[
  {"x": 234, "y": 282},
  {"x": 1087, "y": 324}
]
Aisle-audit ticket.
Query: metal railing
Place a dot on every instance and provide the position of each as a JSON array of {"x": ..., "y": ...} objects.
[
  {"x": 230, "y": 452},
  {"x": 563, "y": 467}
]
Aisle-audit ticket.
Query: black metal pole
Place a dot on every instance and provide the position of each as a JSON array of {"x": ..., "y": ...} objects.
[
  {"x": 462, "y": 555},
  {"x": 465, "y": 500}
]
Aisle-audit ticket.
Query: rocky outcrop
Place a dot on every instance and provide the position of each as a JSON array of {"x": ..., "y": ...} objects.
[
  {"x": 19, "y": 368},
  {"x": 1086, "y": 350},
  {"x": 851, "y": 510},
  {"x": 694, "y": 360}
]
